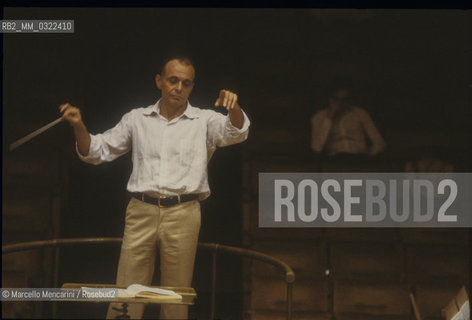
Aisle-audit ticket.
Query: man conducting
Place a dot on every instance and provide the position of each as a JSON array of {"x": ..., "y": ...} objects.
[{"x": 171, "y": 143}]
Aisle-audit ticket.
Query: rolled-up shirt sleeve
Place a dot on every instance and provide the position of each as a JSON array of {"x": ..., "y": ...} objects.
[
  {"x": 223, "y": 133},
  {"x": 111, "y": 144}
]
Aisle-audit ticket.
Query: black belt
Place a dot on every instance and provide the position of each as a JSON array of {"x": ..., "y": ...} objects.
[{"x": 164, "y": 201}]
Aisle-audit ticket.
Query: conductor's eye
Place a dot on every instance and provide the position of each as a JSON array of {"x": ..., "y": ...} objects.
[{"x": 173, "y": 80}]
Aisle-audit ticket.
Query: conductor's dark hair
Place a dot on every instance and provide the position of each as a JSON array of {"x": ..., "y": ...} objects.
[{"x": 181, "y": 58}]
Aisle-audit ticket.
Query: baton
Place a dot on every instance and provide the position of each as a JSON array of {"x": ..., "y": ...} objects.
[{"x": 33, "y": 134}]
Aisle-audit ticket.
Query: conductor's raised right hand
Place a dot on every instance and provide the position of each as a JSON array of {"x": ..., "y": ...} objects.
[{"x": 71, "y": 114}]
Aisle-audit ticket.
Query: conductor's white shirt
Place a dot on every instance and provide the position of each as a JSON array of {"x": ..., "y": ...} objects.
[{"x": 169, "y": 157}]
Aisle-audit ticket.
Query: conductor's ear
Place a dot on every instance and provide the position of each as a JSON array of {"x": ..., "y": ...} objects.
[{"x": 158, "y": 81}]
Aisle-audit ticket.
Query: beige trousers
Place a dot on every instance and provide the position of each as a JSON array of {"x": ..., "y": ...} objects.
[{"x": 174, "y": 230}]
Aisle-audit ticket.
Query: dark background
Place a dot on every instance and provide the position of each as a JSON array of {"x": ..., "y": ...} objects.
[{"x": 411, "y": 70}]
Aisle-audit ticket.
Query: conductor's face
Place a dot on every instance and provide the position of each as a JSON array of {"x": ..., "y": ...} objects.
[{"x": 176, "y": 83}]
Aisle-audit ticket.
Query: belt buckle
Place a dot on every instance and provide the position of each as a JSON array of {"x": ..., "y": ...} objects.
[
  {"x": 159, "y": 201},
  {"x": 164, "y": 197}
]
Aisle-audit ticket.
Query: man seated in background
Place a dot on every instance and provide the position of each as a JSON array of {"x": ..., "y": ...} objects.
[{"x": 343, "y": 128}]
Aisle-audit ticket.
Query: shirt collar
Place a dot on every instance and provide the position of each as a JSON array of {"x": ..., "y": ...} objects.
[{"x": 190, "y": 111}]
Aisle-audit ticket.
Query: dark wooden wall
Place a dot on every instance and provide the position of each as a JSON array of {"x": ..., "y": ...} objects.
[{"x": 411, "y": 71}]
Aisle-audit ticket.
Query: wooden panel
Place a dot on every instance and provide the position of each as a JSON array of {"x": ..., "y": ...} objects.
[
  {"x": 438, "y": 264},
  {"x": 362, "y": 316},
  {"x": 307, "y": 259},
  {"x": 282, "y": 315},
  {"x": 285, "y": 234},
  {"x": 284, "y": 164},
  {"x": 15, "y": 309},
  {"x": 28, "y": 262},
  {"x": 361, "y": 234},
  {"x": 255, "y": 234},
  {"x": 457, "y": 236},
  {"x": 270, "y": 294},
  {"x": 431, "y": 299},
  {"x": 39, "y": 167},
  {"x": 27, "y": 217},
  {"x": 14, "y": 279},
  {"x": 373, "y": 299},
  {"x": 31, "y": 205},
  {"x": 360, "y": 261}
]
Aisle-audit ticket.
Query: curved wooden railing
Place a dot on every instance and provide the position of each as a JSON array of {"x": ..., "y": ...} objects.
[{"x": 215, "y": 249}]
